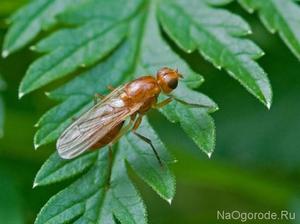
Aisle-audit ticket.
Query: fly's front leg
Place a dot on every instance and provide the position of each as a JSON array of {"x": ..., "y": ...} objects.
[
  {"x": 190, "y": 104},
  {"x": 145, "y": 139},
  {"x": 162, "y": 103}
]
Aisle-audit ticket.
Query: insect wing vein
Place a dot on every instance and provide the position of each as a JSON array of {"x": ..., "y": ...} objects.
[{"x": 93, "y": 125}]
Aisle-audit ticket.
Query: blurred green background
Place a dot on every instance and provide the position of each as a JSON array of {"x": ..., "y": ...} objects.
[{"x": 255, "y": 167}]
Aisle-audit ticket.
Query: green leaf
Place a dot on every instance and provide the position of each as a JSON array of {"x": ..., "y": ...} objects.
[
  {"x": 280, "y": 16},
  {"x": 136, "y": 152},
  {"x": 199, "y": 126},
  {"x": 69, "y": 53},
  {"x": 77, "y": 99},
  {"x": 91, "y": 199},
  {"x": 140, "y": 157},
  {"x": 117, "y": 42},
  {"x": 56, "y": 169},
  {"x": 103, "y": 10},
  {"x": 139, "y": 62},
  {"x": 193, "y": 27},
  {"x": 194, "y": 119},
  {"x": 30, "y": 20},
  {"x": 58, "y": 118}
]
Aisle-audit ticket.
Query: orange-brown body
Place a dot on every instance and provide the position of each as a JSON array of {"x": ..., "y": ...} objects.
[
  {"x": 145, "y": 90},
  {"x": 110, "y": 136}
]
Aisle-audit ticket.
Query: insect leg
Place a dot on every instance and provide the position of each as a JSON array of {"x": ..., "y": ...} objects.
[
  {"x": 190, "y": 104},
  {"x": 137, "y": 122},
  {"x": 145, "y": 139},
  {"x": 123, "y": 131},
  {"x": 148, "y": 141},
  {"x": 98, "y": 97},
  {"x": 133, "y": 116},
  {"x": 162, "y": 103}
]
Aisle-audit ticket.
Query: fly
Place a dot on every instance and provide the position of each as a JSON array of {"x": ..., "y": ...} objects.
[{"x": 103, "y": 124}]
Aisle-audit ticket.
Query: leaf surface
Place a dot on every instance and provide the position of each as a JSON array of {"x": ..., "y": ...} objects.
[
  {"x": 56, "y": 169},
  {"x": 280, "y": 16},
  {"x": 141, "y": 58},
  {"x": 70, "y": 50},
  {"x": 31, "y": 20},
  {"x": 194, "y": 26},
  {"x": 89, "y": 200}
]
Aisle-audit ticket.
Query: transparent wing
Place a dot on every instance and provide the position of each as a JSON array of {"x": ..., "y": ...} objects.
[{"x": 93, "y": 125}]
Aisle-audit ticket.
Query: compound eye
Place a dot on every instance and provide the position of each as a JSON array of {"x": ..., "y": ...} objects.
[{"x": 173, "y": 83}]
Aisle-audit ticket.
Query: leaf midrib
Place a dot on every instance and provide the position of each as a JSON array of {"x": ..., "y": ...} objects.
[
  {"x": 145, "y": 6},
  {"x": 84, "y": 199},
  {"x": 120, "y": 203}
]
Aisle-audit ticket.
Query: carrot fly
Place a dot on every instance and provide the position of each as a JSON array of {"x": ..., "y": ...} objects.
[{"x": 103, "y": 124}]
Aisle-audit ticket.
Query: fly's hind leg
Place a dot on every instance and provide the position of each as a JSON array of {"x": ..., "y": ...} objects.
[
  {"x": 148, "y": 141},
  {"x": 137, "y": 123},
  {"x": 162, "y": 103},
  {"x": 145, "y": 139},
  {"x": 123, "y": 131}
]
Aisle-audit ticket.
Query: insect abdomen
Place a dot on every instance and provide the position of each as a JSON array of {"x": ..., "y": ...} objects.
[{"x": 109, "y": 137}]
